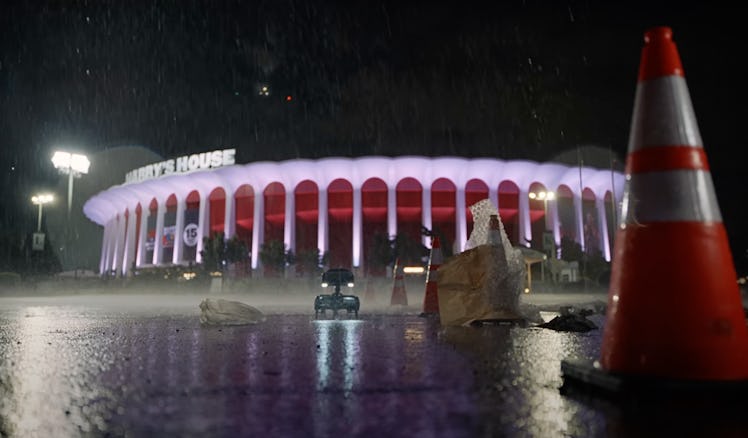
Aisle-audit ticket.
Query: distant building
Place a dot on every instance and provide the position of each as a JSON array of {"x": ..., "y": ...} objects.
[{"x": 161, "y": 214}]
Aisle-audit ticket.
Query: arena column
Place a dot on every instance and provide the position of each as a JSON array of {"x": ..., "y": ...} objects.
[
  {"x": 229, "y": 224},
  {"x": 158, "y": 247},
  {"x": 258, "y": 227},
  {"x": 426, "y": 214},
  {"x": 555, "y": 224},
  {"x": 391, "y": 210},
  {"x": 525, "y": 228},
  {"x": 493, "y": 196},
  {"x": 105, "y": 248},
  {"x": 289, "y": 222},
  {"x": 579, "y": 218},
  {"x": 358, "y": 227},
  {"x": 119, "y": 252},
  {"x": 144, "y": 213},
  {"x": 178, "y": 239},
  {"x": 203, "y": 225},
  {"x": 323, "y": 237},
  {"x": 132, "y": 219},
  {"x": 602, "y": 223},
  {"x": 460, "y": 220}
]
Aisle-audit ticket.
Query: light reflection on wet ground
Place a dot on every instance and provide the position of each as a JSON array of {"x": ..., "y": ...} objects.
[
  {"x": 517, "y": 375},
  {"x": 104, "y": 365}
]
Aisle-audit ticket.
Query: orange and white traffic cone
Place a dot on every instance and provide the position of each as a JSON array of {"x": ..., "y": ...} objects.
[
  {"x": 674, "y": 309},
  {"x": 431, "y": 297},
  {"x": 399, "y": 296}
]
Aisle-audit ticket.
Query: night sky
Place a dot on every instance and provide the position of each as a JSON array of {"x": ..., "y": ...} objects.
[{"x": 516, "y": 79}]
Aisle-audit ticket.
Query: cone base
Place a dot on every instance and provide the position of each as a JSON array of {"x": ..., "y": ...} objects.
[
  {"x": 591, "y": 376},
  {"x": 674, "y": 308}
]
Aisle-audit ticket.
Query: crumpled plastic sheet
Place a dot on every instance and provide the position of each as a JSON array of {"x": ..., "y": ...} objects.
[
  {"x": 481, "y": 234},
  {"x": 217, "y": 311}
]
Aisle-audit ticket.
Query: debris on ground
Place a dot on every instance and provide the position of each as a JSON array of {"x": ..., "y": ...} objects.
[
  {"x": 571, "y": 319},
  {"x": 217, "y": 311}
]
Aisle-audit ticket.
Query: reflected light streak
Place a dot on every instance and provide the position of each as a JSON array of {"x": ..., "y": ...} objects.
[
  {"x": 549, "y": 406},
  {"x": 331, "y": 336},
  {"x": 33, "y": 384},
  {"x": 413, "y": 335},
  {"x": 323, "y": 353},
  {"x": 352, "y": 340},
  {"x": 48, "y": 381}
]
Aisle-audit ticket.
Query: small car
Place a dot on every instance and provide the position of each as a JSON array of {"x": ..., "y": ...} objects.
[{"x": 336, "y": 301}]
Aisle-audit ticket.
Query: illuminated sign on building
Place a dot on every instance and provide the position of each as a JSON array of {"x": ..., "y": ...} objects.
[{"x": 185, "y": 164}]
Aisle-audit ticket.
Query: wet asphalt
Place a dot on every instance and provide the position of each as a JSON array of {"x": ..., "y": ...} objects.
[{"x": 104, "y": 365}]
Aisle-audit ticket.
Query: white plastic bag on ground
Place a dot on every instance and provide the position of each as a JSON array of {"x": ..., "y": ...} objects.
[{"x": 216, "y": 311}]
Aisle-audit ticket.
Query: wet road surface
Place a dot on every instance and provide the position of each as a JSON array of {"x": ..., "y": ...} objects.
[{"x": 144, "y": 366}]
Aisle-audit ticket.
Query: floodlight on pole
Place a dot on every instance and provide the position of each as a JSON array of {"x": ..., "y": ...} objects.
[
  {"x": 40, "y": 200},
  {"x": 73, "y": 165},
  {"x": 545, "y": 197}
]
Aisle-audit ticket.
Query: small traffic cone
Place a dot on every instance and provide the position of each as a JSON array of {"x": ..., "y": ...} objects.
[
  {"x": 431, "y": 297},
  {"x": 674, "y": 312},
  {"x": 399, "y": 297}
]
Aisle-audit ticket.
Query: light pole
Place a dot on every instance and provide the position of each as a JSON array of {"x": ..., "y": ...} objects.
[
  {"x": 40, "y": 200},
  {"x": 549, "y": 244},
  {"x": 545, "y": 197},
  {"x": 73, "y": 165}
]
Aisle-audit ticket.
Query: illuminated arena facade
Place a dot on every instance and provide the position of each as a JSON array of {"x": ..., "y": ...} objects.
[{"x": 338, "y": 204}]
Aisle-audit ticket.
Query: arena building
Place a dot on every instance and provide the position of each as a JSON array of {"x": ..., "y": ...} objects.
[{"x": 160, "y": 214}]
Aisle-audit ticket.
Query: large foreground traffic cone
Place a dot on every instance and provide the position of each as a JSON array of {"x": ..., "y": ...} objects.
[
  {"x": 431, "y": 297},
  {"x": 674, "y": 309},
  {"x": 399, "y": 297}
]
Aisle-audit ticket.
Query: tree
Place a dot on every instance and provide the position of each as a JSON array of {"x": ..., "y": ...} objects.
[
  {"x": 44, "y": 262},
  {"x": 592, "y": 265},
  {"x": 380, "y": 253},
  {"x": 218, "y": 252},
  {"x": 571, "y": 251},
  {"x": 385, "y": 250},
  {"x": 274, "y": 257},
  {"x": 237, "y": 251},
  {"x": 310, "y": 262},
  {"x": 214, "y": 252},
  {"x": 407, "y": 249}
]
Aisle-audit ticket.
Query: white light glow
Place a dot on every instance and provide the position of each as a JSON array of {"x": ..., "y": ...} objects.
[
  {"x": 413, "y": 270},
  {"x": 43, "y": 198},
  {"x": 542, "y": 195},
  {"x": 65, "y": 161}
]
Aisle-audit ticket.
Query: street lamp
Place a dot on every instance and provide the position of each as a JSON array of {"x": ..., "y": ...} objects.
[
  {"x": 40, "y": 200},
  {"x": 73, "y": 165},
  {"x": 548, "y": 243},
  {"x": 545, "y": 197}
]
